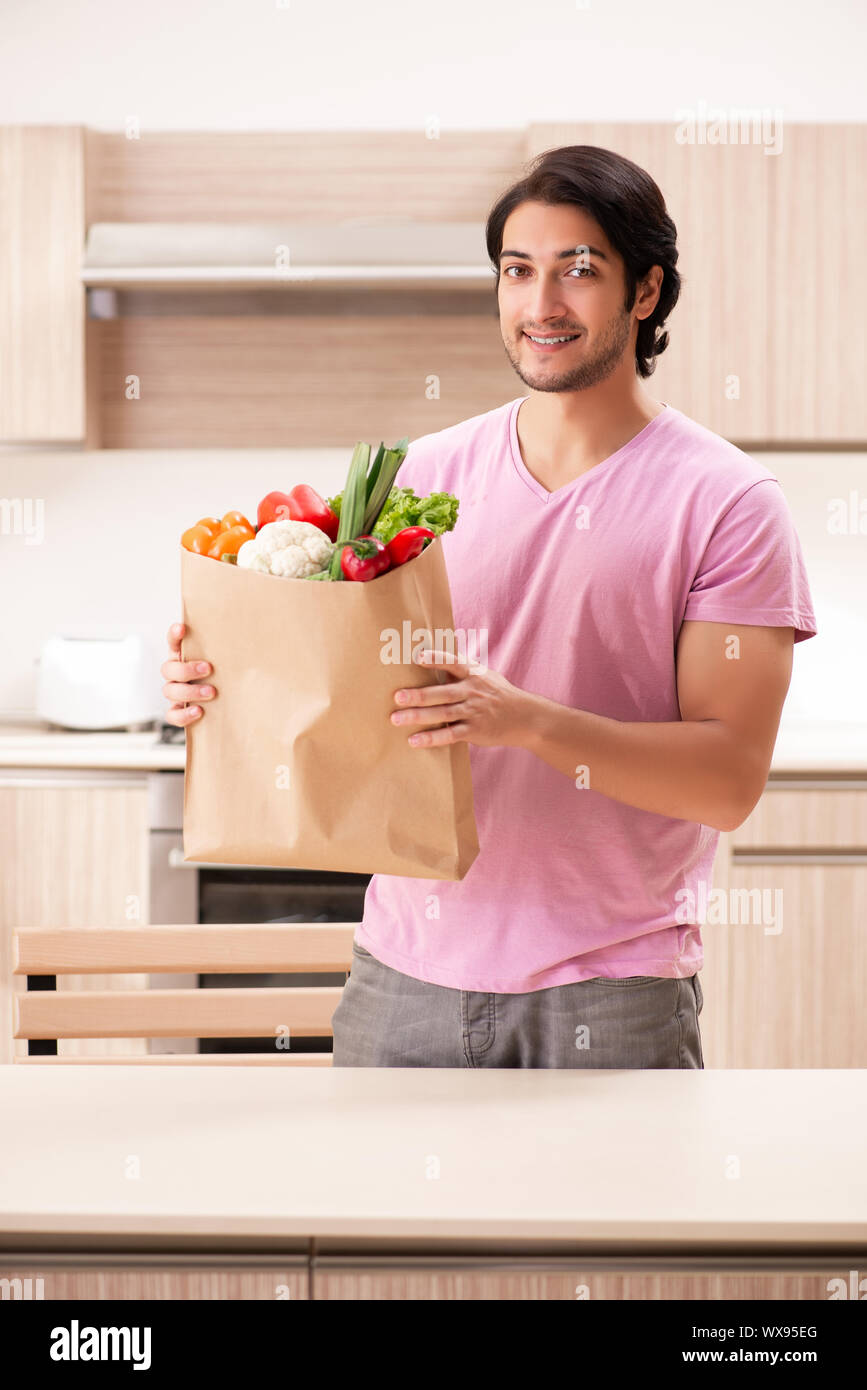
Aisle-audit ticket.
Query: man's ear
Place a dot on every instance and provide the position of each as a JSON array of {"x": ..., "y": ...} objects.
[{"x": 649, "y": 290}]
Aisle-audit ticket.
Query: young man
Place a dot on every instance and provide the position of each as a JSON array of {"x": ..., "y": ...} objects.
[{"x": 639, "y": 584}]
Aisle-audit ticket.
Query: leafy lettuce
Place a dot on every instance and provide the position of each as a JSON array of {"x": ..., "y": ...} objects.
[{"x": 403, "y": 507}]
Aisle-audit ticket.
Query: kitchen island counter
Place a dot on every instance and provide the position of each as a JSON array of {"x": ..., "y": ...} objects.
[{"x": 704, "y": 1164}]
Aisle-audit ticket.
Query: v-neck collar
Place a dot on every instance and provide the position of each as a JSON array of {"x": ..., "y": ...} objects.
[{"x": 533, "y": 483}]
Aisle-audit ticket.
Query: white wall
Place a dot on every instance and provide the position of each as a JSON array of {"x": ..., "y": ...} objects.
[
  {"x": 108, "y": 562},
  {"x": 386, "y": 64}
]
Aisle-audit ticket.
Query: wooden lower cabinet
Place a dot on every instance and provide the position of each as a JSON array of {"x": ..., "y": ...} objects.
[
  {"x": 73, "y": 853},
  {"x": 449, "y": 1282},
  {"x": 149, "y": 1283},
  {"x": 785, "y": 953},
  {"x": 457, "y": 1283},
  {"x": 784, "y": 978},
  {"x": 790, "y": 992}
]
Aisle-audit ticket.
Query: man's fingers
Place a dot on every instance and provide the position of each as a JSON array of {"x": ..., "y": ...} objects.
[
  {"x": 436, "y": 694},
  {"x": 438, "y": 714},
  {"x": 446, "y": 661},
  {"x": 175, "y": 690},
  {"x": 185, "y": 670},
  {"x": 182, "y": 679},
  {"x": 179, "y": 716}
]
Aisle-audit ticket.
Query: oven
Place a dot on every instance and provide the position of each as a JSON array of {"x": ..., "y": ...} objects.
[{"x": 186, "y": 891}]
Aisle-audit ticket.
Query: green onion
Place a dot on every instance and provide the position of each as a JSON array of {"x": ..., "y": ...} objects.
[
  {"x": 374, "y": 472},
  {"x": 384, "y": 472},
  {"x": 353, "y": 506},
  {"x": 365, "y": 495}
]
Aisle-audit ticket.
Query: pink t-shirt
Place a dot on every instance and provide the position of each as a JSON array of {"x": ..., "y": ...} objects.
[{"x": 582, "y": 592}]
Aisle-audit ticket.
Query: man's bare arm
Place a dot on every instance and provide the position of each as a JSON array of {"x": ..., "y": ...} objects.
[{"x": 712, "y": 765}]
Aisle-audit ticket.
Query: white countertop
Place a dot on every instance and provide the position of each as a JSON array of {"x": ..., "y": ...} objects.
[
  {"x": 619, "y": 1156},
  {"x": 37, "y": 744},
  {"x": 803, "y": 745}
]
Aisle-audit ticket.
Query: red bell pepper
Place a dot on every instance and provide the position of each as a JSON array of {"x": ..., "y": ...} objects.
[
  {"x": 274, "y": 507},
  {"x": 305, "y": 504},
  {"x": 364, "y": 558},
  {"x": 408, "y": 543}
]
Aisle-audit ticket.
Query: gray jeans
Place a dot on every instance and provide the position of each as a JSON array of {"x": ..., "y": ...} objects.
[{"x": 387, "y": 1019}]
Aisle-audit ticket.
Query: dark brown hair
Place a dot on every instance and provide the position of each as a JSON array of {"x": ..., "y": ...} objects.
[{"x": 629, "y": 207}]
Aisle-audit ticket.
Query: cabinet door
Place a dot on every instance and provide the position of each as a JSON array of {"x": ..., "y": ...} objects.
[
  {"x": 817, "y": 284},
  {"x": 58, "y": 1282},
  {"x": 537, "y": 1280},
  {"x": 786, "y": 961},
  {"x": 786, "y": 984},
  {"x": 42, "y": 302},
  {"x": 770, "y": 249},
  {"x": 73, "y": 855}
]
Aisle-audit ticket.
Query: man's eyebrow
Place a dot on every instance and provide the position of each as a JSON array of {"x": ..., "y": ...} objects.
[{"x": 561, "y": 255}]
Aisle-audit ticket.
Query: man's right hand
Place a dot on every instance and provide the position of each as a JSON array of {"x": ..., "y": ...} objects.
[{"x": 182, "y": 682}]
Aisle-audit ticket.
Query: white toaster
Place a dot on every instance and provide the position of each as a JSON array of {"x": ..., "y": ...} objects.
[{"x": 98, "y": 682}]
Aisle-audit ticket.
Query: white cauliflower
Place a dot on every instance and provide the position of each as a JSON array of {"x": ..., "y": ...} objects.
[{"x": 288, "y": 549}]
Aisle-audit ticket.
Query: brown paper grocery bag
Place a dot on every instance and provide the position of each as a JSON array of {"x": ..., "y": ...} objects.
[{"x": 295, "y": 762}]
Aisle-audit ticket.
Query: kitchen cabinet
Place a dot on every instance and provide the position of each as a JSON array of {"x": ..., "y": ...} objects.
[
  {"x": 42, "y": 303},
  {"x": 740, "y": 333},
  {"x": 73, "y": 853},
  {"x": 466, "y": 1280},
  {"x": 156, "y": 1279},
  {"x": 785, "y": 976},
  {"x": 180, "y": 367},
  {"x": 459, "y": 1279}
]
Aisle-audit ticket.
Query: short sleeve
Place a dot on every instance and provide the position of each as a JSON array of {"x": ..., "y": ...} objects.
[
  {"x": 752, "y": 570},
  {"x": 416, "y": 466}
]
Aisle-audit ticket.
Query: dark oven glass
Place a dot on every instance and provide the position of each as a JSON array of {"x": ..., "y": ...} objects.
[{"x": 275, "y": 895}]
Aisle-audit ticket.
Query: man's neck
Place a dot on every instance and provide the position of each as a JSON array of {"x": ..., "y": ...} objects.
[{"x": 565, "y": 434}]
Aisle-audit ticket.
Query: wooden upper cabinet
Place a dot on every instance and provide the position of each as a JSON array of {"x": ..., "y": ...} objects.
[
  {"x": 816, "y": 292},
  {"x": 767, "y": 342},
  {"x": 42, "y": 303}
]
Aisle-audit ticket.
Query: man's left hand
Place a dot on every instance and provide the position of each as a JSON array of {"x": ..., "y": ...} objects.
[{"x": 477, "y": 705}]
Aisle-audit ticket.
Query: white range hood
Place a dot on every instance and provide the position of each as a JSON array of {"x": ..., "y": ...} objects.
[{"x": 126, "y": 255}]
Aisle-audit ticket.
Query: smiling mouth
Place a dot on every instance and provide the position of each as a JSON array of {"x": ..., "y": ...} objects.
[{"x": 549, "y": 342}]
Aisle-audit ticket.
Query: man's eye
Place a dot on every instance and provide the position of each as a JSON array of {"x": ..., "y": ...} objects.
[{"x": 589, "y": 270}]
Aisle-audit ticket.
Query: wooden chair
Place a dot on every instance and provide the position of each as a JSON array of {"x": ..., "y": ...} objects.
[{"x": 285, "y": 1015}]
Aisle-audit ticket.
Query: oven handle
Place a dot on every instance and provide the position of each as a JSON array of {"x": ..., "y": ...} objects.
[{"x": 176, "y": 860}]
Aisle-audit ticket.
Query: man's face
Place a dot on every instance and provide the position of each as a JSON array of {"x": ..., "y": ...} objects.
[{"x": 549, "y": 295}]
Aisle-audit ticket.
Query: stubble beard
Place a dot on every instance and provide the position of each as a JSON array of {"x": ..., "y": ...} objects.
[{"x": 586, "y": 373}]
